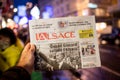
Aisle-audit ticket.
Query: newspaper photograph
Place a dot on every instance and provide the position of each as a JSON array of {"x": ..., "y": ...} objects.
[{"x": 65, "y": 43}]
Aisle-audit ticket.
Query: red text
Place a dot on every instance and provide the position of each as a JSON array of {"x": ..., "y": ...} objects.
[{"x": 50, "y": 36}]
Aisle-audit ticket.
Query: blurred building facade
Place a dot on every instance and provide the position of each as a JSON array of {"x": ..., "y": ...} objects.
[
  {"x": 63, "y": 8},
  {"x": 104, "y": 10},
  {"x": 114, "y": 10}
]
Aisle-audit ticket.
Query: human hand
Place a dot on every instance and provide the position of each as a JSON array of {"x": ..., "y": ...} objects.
[
  {"x": 49, "y": 67},
  {"x": 27, "y": 58}
]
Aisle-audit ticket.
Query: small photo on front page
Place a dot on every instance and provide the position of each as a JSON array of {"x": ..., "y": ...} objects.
[{"x": 88, "y": 49}]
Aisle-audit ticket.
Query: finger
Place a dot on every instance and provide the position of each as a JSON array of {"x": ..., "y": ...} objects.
[
  {"x": 32, "y": 48},
  {"x": 27, "y": 47},
  {"x": 51, "y": 68}
]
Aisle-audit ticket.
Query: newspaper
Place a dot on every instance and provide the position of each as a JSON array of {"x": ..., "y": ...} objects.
[{"x": 65, "y": 43}]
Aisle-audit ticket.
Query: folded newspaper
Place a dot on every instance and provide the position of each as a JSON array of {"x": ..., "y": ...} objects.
[{"x": 65, "y": 43}]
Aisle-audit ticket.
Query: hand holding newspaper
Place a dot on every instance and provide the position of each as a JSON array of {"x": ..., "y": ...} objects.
[{"x": 65, "y": 43}]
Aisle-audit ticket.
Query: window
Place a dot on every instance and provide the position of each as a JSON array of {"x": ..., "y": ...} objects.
[{"x": 68, "y": 7}]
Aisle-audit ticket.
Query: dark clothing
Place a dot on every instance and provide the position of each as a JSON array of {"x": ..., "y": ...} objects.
[{"x": 15, "y": 73}]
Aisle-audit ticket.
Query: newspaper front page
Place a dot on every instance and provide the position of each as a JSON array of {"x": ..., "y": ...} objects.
[{"x": 65, "y": 43}]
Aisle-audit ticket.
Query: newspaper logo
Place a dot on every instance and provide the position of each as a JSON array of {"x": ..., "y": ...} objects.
[{"x": 51, "y": 36}]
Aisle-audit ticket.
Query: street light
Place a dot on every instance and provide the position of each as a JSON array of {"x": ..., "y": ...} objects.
[{"x": 15, "y": 10}]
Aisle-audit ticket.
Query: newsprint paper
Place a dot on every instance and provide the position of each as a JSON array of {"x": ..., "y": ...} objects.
[{"x": 65, "y": 43}]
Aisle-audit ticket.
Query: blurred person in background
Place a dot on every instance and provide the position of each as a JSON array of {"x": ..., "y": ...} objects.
[
  {"x": 15, "y": 27},
  {"x": 19, "y": 42},
  {"x": 10, "y": 49},
  {"x": 23, "y": 34}
]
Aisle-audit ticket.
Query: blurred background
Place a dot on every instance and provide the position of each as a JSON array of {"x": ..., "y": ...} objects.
[{"x": 15, "y": 14}]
